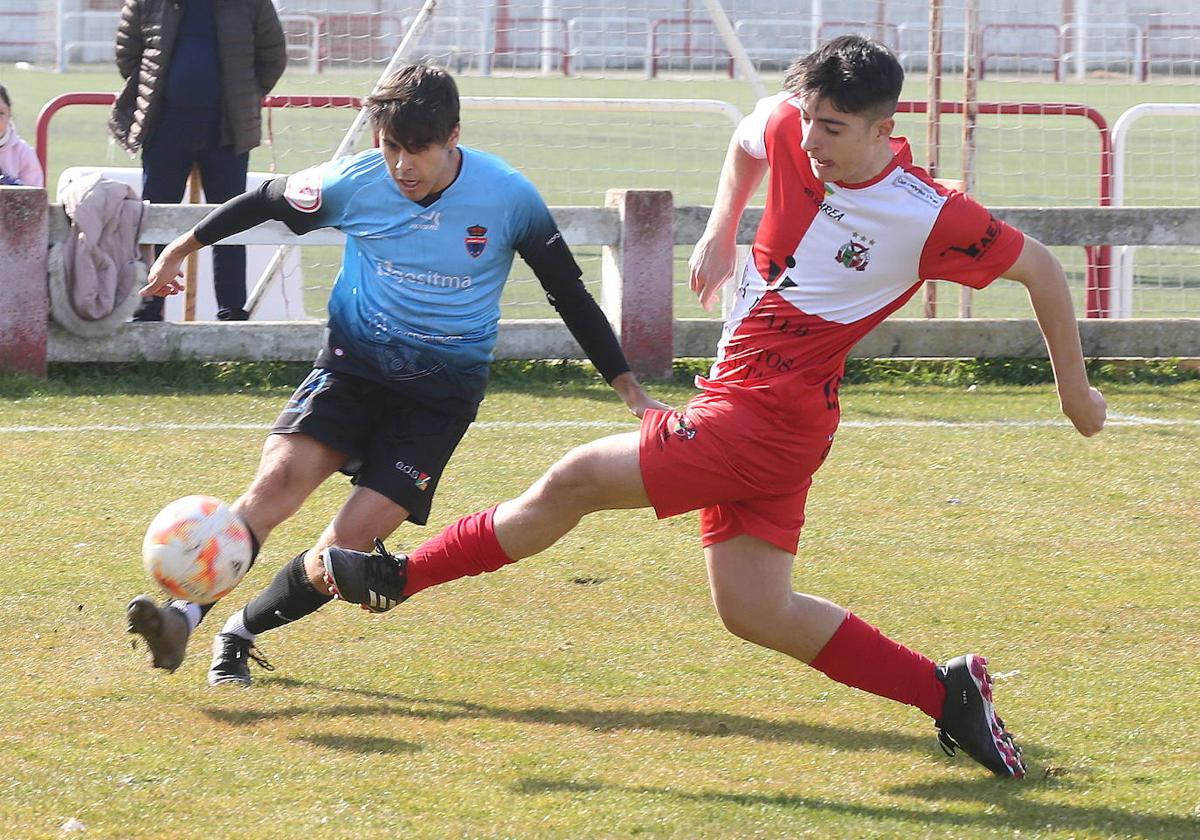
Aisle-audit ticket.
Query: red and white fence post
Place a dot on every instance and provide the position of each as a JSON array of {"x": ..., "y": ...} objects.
[
  {"x": 24, "y": 293},
  {"x": 637, "y": 279}
]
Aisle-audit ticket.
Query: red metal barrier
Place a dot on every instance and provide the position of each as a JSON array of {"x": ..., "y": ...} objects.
[
  {"x": 1055, "y": 57},
  {"x": 1099, "y": 263},
  {"x": 1190, "y": 35},
  {"x": 273, "y": 101},
  {"x": 687, "y": 50}
]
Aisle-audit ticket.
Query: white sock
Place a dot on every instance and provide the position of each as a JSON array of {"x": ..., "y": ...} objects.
[
  {"x": 237, "y": 626},
  {"x": 190, "y": 611}
]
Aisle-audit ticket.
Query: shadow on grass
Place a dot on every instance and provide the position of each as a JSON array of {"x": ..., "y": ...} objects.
[
  {"x": 700, "y": 724},
  {"x": 279, "y": 379},
  {"x": 1010, "y": 806},
  {"x": 182, "y": 376},
  {"x": 363, "y": 744}
]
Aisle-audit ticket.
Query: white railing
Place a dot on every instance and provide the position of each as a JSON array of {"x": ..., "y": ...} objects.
[
  {"x": 1122, "y": 292},
  {"x": 453, "y": 37},
  {"x": 912, "y": 45},
  {"x": 774, "y": 40},
  {"x": 591, "y": 103},
  {"x": 308, "y": 47},
  {"x": 639, "y": 231},
  {"x": 1121, "y": 43},
  {"x": 623, "y": 41},
  {"x": 65, "y": 47}
]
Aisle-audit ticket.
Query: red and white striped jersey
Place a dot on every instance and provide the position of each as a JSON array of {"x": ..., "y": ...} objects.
[{"x": 831, "y": 261}]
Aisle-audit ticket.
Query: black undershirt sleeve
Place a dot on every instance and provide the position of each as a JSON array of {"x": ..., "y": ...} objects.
[
  {"x": 252, "y": 208},
  {"x": 559, "y": 274},
  {"x": 547, "y": 254}
]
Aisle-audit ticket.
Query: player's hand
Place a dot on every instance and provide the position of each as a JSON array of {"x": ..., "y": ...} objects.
[
  {"x": 640, "y": 407},
  {"x": 712, "y": 263},
  {"x": 1087, "y": 411},
  {"x": 635, "y": 397},
  {"x": 166, "y": 275}
]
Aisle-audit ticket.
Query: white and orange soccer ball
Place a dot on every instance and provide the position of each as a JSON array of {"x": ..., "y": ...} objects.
[{"x": 197, "y": 549}]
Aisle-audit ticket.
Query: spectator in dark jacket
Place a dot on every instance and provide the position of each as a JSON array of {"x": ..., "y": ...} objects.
[{"x": 195, "y": 73}]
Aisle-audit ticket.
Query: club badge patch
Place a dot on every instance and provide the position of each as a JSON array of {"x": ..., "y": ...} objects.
[
  {"x": 476, "y": 239},
  {"x": 303, "y": 190},
  {"x": 683, "y": 427},
  {"x": 856, "y": 253}
]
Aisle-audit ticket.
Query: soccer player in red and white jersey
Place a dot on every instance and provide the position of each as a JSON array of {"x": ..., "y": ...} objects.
[{"x": 851, "y": 229}]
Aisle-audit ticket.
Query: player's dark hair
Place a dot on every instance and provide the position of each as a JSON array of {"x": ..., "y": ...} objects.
[
  {"x": 855, "y": 74},
  {"x": 417, "y": 106},
  {"x": 4, "y": 96}
]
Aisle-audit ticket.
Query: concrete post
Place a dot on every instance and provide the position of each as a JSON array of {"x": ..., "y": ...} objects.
[
  {"x": 637, "y": 279},
  {"x": 24, "y": 292}
]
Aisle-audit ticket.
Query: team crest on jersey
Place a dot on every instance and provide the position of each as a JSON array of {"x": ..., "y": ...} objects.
[
  {"x": 476, "y": 239},
  {"x": 303, "y": 190},
  {"x": 683, "y": 427},
  {"x": 856, "y": 253}
]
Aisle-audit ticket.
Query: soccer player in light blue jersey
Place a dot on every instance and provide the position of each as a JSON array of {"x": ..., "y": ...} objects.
[{"x": 431, "y": 229}]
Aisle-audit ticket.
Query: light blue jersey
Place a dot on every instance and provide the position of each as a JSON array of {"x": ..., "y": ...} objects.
[{"x": 419, "y": 287}]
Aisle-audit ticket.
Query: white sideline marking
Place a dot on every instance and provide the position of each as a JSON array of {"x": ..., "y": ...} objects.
[
  {"x": 1135, "y": 420},
  {"x": 1122, "y": 420}
]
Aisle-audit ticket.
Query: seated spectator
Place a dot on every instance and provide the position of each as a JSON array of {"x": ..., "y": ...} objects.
[{"x": 19, "y": 164}]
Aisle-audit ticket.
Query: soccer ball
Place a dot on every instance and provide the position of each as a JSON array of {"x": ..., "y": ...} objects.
[{"x": 197, "y": 549}]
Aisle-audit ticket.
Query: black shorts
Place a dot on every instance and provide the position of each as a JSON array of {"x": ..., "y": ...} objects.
[{"x": 393, "y": 444}]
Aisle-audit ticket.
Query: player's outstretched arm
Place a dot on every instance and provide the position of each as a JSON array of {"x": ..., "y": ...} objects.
[
  {"x": 714, "y": 258},
  {"x": 595, "y": 335},
  {"x": 1042, "y": 275},
  {"x": 240, "y": 213},
  {"x": 166, "y": 275},
  {"x": 556, "y": 269}
]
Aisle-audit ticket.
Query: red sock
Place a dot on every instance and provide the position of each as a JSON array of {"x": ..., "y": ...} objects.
[
  {"x": 859, "y": 655},
  {"x": 468, "y": 547}
]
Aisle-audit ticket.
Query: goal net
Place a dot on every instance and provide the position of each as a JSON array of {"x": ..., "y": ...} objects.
[{"x": 1104, "y": 56}]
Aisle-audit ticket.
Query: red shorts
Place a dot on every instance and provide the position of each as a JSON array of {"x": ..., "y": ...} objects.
[{"x": 747, "y": 473}]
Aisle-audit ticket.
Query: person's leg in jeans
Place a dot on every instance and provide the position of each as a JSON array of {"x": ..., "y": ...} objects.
[
  {"x": 223, "y": 175},
  {"x": 166, "y": 163}
]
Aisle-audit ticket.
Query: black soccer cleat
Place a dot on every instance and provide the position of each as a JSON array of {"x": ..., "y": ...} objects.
[
  {"x": 969, "y": 721},
  {"x": 375, "y": 581},
  {"x": 232, "y": 655},
  {"x": 164, "y": 628}
]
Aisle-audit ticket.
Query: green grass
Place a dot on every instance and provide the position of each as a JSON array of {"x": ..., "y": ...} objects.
[
  {"x": 591, "y": 692},
  {"x": 574, "y": 157}
]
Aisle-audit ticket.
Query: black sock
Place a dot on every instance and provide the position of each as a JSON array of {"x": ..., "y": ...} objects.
[
  {"x": 254, "y": 547},
  {"x": 289, "y": 597}
]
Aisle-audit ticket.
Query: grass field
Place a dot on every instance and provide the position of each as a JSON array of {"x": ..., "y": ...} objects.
[
  {"x": 591, "y": 692},
  {"x": 574, "y": 157}
]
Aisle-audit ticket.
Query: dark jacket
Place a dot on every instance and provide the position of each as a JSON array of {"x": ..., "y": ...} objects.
[{"x": 253, "y": 56}]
